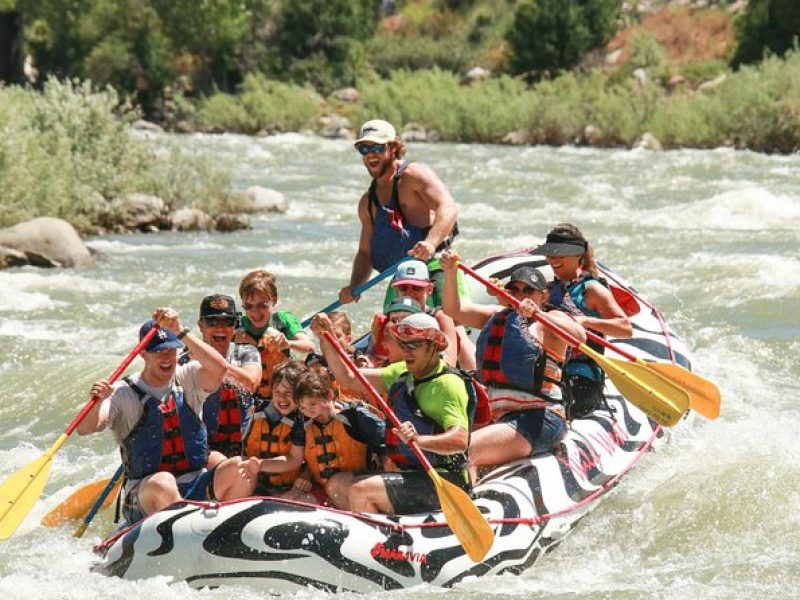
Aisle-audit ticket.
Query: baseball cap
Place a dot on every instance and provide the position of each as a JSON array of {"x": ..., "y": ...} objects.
[
  {"x": 162, "y": 340},
  {"x": 403, "y": 304},
  {"x": 562, "y": 242},
  {"x": 411, "y": 272},
  {"x": 529, "y": 276},
  {"x": 419, "y": 326},
  {"x": 218, "y": 305},
  {"x": 378, "y": 131}
]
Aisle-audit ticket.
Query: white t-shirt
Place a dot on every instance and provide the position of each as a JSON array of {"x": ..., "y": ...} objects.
[{"x": 125, "y": 408}]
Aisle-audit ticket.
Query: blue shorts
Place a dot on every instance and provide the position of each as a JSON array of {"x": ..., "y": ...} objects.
[
  {"x": 200, "y": 488},
  {"x": 541, "y": 428}
]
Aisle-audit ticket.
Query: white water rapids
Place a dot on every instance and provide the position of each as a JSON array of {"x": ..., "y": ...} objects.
[{"x": 710, "y": 237}]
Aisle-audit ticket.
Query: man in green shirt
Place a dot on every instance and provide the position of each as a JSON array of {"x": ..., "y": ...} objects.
[{"x": 430, "y": 401}]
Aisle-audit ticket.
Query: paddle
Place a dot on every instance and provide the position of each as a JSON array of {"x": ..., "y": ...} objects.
[
  {"x": 358, "y": 291},
  {"x": 103, "y": 500},
  {"x": 465, "y": 520},
  {"x": 704, "y": 396},
  {"x": 77, "y": 505},
  {"x": 19, "y": 492},
  {"x": 659, "y": 398}
]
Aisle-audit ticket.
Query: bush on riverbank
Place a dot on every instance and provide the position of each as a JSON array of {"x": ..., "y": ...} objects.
[
  {"x": 261, "y": 105},
  {"x": 755, "y": 107},
  {"x": 68, "y": 150}
]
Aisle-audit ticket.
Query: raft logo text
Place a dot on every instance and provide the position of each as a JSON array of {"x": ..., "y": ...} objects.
[{"x": 381, "y": 551}]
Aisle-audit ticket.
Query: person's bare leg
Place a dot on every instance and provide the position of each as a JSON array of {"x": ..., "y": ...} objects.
[
  {"x": 157, "y": 491},
  {"x": 229, "y": 484},
  {"x": 337, "y": 489},
  {"x": 368, "y": 494},
  {"x": 496, "y": 444}
]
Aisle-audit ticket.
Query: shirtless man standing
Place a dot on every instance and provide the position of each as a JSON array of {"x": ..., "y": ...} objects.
[{"x": 407, "y": 210}]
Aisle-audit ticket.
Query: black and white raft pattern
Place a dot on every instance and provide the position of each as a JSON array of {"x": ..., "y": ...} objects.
[{"x": 532, "y": 504}]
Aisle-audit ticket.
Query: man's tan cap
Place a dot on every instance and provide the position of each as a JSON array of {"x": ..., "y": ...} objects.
[{"x": 377, "y": 131}]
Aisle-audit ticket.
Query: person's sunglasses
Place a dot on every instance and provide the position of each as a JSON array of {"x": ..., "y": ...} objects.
[
  {"x": 410, "y": 345},
  {"x": 220, "y": 321},
  {"x": 364, "y": 149},
  {"x": 257, "y": 306},
  {"x": 520, "y": 289}
]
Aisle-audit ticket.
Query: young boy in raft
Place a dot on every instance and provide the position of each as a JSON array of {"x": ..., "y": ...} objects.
[{"x": 274, "y": 444}]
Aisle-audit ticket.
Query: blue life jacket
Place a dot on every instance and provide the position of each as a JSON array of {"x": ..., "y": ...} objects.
[
  {"x": 571, "y": 297},
  {"x": 518, "y": 357},
  {"x": 168, "y": 437},
  {"x": 392, "y": 237}
]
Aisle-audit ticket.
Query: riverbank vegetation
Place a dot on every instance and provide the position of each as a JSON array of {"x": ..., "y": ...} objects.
[
  {"x": 67, "y": 151},
  {"x": 588, "y": 72}
]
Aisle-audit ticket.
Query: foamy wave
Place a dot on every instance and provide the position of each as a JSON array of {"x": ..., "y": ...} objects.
[{"x": 748, "y": 209}]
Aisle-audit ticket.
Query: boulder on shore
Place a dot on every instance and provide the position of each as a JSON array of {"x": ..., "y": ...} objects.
[
  {"x": 138, "y": 211},
  {"x": 43, "y": 242},
  {"x": 190, "y": 219},
  {"x": 257, "y": 199}
]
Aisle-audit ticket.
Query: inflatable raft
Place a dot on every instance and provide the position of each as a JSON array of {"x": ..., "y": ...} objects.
[{"x": 283, "y": 546}]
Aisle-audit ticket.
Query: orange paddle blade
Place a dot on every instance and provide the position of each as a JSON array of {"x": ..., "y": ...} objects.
[
  {"x": 78, "y": 504},
  {"x": 704, "y": 396},
  {"x": 658, "y": 397},
  {"x": 467, "y": 522}
]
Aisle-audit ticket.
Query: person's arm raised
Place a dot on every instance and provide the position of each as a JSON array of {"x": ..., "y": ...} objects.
[
  {"x": 320, "y": 325},
  {"x": 213, "y": 365},
  {"x": 460, "y": 310}
]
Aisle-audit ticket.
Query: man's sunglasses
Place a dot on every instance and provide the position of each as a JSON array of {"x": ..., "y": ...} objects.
[
  {"x": 520, "y": 289},
  {"x": 220, "y": 321},
  {"x": 257, "y": 306},
  {"x": 364, "y": 149},
  {"x": 410, "y": 345}
]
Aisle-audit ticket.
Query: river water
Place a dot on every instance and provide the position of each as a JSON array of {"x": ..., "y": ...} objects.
[{"x": 710, "y": 237}]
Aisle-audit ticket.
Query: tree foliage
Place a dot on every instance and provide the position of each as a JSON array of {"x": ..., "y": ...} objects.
[
  {"x": 767, "y": 26},
  {"x": 322, "y": 41},
  {"x": 554, "y": 35}
]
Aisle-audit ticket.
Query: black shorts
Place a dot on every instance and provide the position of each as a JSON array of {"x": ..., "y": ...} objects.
[
  {"x": 581, "y": 395},
  {"x": 413, "y": 491}
]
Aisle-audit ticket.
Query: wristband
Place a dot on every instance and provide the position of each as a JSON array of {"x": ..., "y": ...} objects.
[{"x": 182, "y": 333}]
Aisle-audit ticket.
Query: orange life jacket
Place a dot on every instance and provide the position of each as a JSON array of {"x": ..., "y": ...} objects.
[
  {"x": 270, "y": 436},
  {"x": 330, "y": 449},
  {"x": 270, "y": 358}
]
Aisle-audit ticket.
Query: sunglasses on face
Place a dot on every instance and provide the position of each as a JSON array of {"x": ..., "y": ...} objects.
[
  {"x": 410, "y": 345},
  {"x": 220, "y": 321},
  {"x": 520, "y": 289},
  {"x": 365, "y": 149},
  {"x": 257, "y": 306}
]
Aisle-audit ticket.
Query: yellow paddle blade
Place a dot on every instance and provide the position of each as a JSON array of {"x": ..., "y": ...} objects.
[
  {"x": 704, "y": 396},
  {"x": 658, "y": 397},
  {"x": 468, "y": 524},
  {"x": 20, "y": 492},
  {"x": 78, "y": 504}
]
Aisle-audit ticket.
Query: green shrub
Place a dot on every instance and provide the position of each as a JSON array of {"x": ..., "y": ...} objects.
[
  {"x": 766, "y": 26},
  {"x": 261, "y": 104},
  {"x": 554, "y": 35},
  {"x": 390, "y": 53},
  {"x": 62, "y": 148}
]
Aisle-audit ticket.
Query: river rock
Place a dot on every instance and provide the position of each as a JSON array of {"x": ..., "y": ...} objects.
[
  {"x": 138, "y": 211},
  {"x": 335, "y": 126},
  {"x": 43, "y": 242},
  {"x": 257, "y": 199},
  {"x": 190, "y": 219},
  {"x": 231, "y": 222},
  {"x": 414, "y": 132},
  {"x": 475, "y": 74},
  {"x": 348, "y": 94},
  {"x": 648, "y": 142},
  {"x": 516, "y": 138}
]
